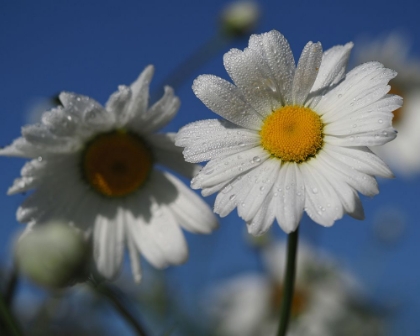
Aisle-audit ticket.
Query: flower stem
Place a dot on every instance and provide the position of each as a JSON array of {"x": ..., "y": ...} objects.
[
  {"x": 117, "y": 300},
  {"x": 8, "y": 322},
  {"x": 11, "y": 287},
  {"x": 289, "y": 282}
]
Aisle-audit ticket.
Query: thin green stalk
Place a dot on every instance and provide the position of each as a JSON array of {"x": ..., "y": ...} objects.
[
  {"x": 117, "y": 300},
  {"x": 289, "y": 282},
  {"x": 194, "y": 62},
  {"x": 11, "y": 285},
  {"x": 7, "y": 320}
]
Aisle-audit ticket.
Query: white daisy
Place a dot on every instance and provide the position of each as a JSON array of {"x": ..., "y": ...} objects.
[
  {"x": 393, "y": 52},
  {"x": 94, "y": 168},
  {"x": 295, "y": 138},
  {"x": 249, "y": 304}
]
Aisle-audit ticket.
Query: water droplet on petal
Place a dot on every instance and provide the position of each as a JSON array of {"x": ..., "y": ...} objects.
[
  {"x": 227, "y": 189},
  {"x": 232, "y": 197},
  {"x": 315, "y": 190},
  {"x": 256, "y": 159}
]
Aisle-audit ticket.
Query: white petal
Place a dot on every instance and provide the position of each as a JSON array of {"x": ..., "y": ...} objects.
[
  {"x": 118, "y": 105},
  {"x": 263, "y": 220},
  {"x": 58, "y": 122},
  {"x": 235, "y": 193},
  {"x": 333, "y": 66},
  {"x": 134, "y": 256},
  {"x": 362, "y": 86},
  {"x": 347, "y": 195},
  {"x": 38, "y": 135},
  {"x": 140, "y": 93},
  {"x": 362, "y": 182},
  {"x": 306, "y": 72},
  {"x": 108, "y": 244},
  {"x": 21, "y": 148},
  {"x": 210, "y": 139},
  {"x": 226, "y": 100},
  {"x": 159, "y": 238},
  {"x": 374, "y": 138},
  {"x": 277, "y": 53},
  {"x": 251, "y": 74},
  {"x": 190, "y": 211},
  {"x": 166, "y": 153},
  {"x": 222, "y": 170},
  {"x": 260, "y": 189},
  {"x": 322, "y": 203},
  {"x": 158, "y": 115},
  {"x": 360, "y": 158},
  {"x": 289, "y": 196},
  {"x": 332, "y": 69}
]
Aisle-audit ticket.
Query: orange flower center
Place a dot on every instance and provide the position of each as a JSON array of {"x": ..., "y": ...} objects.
[
  {"x": 398, "y": 113},
  {"x": 292, "y": 133},
  {"x": 116, "y": 164}
]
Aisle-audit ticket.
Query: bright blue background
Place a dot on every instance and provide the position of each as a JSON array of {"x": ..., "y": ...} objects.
[{"x": 91, "y": 48}]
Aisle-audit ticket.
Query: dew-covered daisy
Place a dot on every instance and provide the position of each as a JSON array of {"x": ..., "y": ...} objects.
[
  {"x": 394, "y": 52},
  {"x": 94, "y": 167},
  {"x": 295, "y": 137},
  {"x": 248, "y": 304}
]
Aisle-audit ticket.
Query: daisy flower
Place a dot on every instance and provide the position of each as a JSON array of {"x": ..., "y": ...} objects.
[
  {"x": 248, "y": 305},
  {"x": 95, "y": 168},
  {"x": 295, "y": 137},
  {"x": 393, "y": 52}
]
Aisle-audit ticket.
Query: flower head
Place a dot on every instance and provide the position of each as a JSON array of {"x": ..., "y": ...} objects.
[
  {"x": 295, "y": 137},
  {"x": 94, "y": 167},
  {"x": 393, "y": 52},
  {"x": 248, "y": 304}
]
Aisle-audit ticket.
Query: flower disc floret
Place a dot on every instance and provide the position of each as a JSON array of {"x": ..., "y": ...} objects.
[
  {"x": 292, "y": 133},
  {"x": 116, "y": 164}
]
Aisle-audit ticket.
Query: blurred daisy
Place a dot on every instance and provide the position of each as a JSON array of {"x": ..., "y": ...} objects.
[
  {"x": 248, "y": 305},
  {"x": 295, "y": 137},
  {"x": 94, "y": 167},
  {"x": 393, "y": 52}
]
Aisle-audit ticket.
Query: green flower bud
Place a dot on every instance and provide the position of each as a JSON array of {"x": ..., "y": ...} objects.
[{"x": 240, "y": 18}]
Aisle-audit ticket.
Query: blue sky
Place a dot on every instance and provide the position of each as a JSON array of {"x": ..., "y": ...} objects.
[{"x": 92, "y": 47}]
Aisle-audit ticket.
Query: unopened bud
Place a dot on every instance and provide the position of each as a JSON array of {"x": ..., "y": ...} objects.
[
  {"x": 52, "y": 255},
  {"x": 240, "y": 18}
]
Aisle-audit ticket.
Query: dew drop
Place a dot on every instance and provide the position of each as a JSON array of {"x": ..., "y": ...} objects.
[
  {"x": 385, "y": 133},
  {"x": 380, "y": 121},
  {"x": 262, "y": 188},
  {"x": 256, "y": 159},
  {"x": 339, "y": 95},
  {"x": 315, "y": 190},
  {"x": 39, "y": 158},
  {"x": 227, "y": 189},
  {"x": 232, "y": 197},
  {"x": 209, "y": 171}
]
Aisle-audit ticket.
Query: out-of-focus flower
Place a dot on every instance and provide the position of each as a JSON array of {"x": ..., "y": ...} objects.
[
  {"x": 248, "y": 305},
  {"x": 240, "y": 18},
  {"x": 52, "y": 255},
  {"x": 393, "y": 52},
  {"x": 94, "y": 168},
  {"x": 295, "y": 137}
]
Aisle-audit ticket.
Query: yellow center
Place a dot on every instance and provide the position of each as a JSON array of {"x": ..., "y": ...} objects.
[
  {"x": 292, "y": 133},
  {"x": 116, "y": 164},
  {"x": 299, "y": 301},
  {"x": 398, "y": 113}
]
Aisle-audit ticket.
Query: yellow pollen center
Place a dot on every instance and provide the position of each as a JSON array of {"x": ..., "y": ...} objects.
[
  {"x": 292, "y": 133},
  {"x": 116, "y": 164},
  {"x": 398, "y": 113},
  {"x": 299, "y": 301}
]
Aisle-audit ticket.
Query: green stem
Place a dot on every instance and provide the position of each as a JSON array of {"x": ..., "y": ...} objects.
[
  {"x": 289, "y": 282},
  {"x": 117, "y": 300},
  {"x": 7, "y": 320},
  {"x": 11, "y": 285},
  {"x": 196, "y": 60}
]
